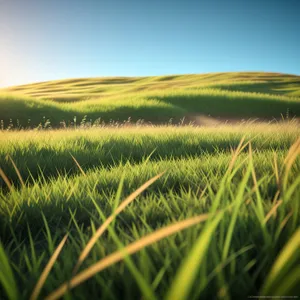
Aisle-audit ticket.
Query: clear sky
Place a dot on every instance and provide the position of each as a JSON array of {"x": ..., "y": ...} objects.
[{"x": 54, "y": 39}]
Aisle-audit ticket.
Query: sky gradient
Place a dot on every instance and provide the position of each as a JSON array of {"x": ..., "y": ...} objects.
[{"x": 45, "y": 40}]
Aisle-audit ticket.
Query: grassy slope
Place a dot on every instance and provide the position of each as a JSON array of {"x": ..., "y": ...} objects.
[{"x": 154, "y": 99}]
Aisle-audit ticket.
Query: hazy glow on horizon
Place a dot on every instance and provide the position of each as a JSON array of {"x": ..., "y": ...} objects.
[{"x": 44, "y": 40}]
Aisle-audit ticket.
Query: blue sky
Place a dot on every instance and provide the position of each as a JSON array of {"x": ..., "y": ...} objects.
[{"x": 43, "y": 40}]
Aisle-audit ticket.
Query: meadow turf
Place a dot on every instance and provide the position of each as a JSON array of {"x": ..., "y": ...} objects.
[
  {"x": 58, "y": 197},
  {"x": 221, "y": 221}
]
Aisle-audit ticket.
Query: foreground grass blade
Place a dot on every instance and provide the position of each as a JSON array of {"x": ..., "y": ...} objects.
[
  {"x": 292, "y": 154},
  {"x": 236, "y": 153},
  {"x": 5, "y": 179},
  {"x": 7, "y": 277},
  {"x": 239, "y": 199},
  {"x": 17, "y": 170},
  {"x": 47, "y": 270},
  {"x": 272, "y": 211},
  {"x": 144, "y": 285},
  {"x": 228, "y": 175},
  {"x": 130, "y": 249},
  {"x": 289, "y": 284},
  {"x": 285, "y": 259},
  {"x": 78, "y": 165},
  {"x": 289, "y": 160},
  {"x": 186, "y": 274},
  {"x": 104, "y": 226}
]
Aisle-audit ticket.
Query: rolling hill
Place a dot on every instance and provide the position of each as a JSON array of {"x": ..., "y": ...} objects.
[{"x": 154, "y": 99}]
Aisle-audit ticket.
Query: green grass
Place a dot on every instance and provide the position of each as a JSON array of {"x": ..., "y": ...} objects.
[
  {"x": 152, "y": 99},
  {"x": 58, "y": 198},
  {"x": 34, "y": 151},
  {"x": 221, "y": 222}
]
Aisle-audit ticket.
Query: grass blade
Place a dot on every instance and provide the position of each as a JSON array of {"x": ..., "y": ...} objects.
[
  {"x": 130, "y": 249},
  {"x": 289, "y": 160},
  {"x": 272, "y": 211},
  {"x": 47, "y": 270},
  {"x": 290, "y": 284},
  {"x": 144, "y": 286},
  {"x": 17, "y": 170},
  {"x": 186, "y": 274},
  {"x": 7, "y": 277},
  {"x": 239, "y": 198},
  {"x": 285, "y": 259},
  {"x": 5, "y": 179},
  {"x": 78, "y": 165},
  {"x": 104, "y": 226}
]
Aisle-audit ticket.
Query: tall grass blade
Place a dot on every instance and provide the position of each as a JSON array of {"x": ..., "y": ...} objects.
[
  {"x": 78, "y": 165},
  {"x": 144, "y": 286},
  {"x": 236, "y": 153},
  {"x": 5, "y": 179},
  {"x": 228, "y": 175},
  {"x": 104, "y": 226},
  {"x": 7, "y": 277},
  {"x": 47, "y": 270},
  {"x": 289, "y": 285},
  {"x": 17, "y": 170},
  {"x": 186, "y": 274},
  {"x": 289, "y": 160},
  {"x": 272, "y": 211},
  {"x": 288, "y": 255},
  {"x": 276, "y": 171},
  {"x": 238, "y": 201},
  {"x": 130, "y": 249}
]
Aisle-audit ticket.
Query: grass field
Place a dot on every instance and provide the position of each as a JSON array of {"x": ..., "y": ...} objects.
[{"x": 220, "y": 221}]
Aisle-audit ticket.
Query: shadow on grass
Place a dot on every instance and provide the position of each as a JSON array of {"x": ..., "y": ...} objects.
[
  {"x": 20, "y": 111},
  {"x": 272, "y": 88},
  {"x": 30, "y": 112},
  {"x": 47, "y": 161},
  {"x": 234, "y": 107}
]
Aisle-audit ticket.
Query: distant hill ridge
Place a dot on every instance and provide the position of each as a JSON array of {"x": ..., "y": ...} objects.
[{"x": 154, "y": 99}]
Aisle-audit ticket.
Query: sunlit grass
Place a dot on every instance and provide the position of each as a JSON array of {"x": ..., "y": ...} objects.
[
  {"x": 34, "y": 151},
  {"x": 235, "y": 250},
  {"x": 126, "y": 210},
  {"x": 153, "y": 99}
]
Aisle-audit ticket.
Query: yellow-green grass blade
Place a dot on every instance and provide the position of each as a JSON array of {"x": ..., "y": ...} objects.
[
  {"x": 289, "y": 284},
  {"x": 5, "y": 179},
  {"x": 104, "y": 226},
  {"x": 238, "y": 201},
  {"x": 145, "y": 287},
  {"x": 47, "y": 269},
  {"x": 17, "y": 170},
  {"x": 187, "y": 272},
  {"x": 130, "y": 249},
  {"x": 286, "y": 258},
  {"x": 293, "y": 153},
  {"x": 7, "y": 276}
]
